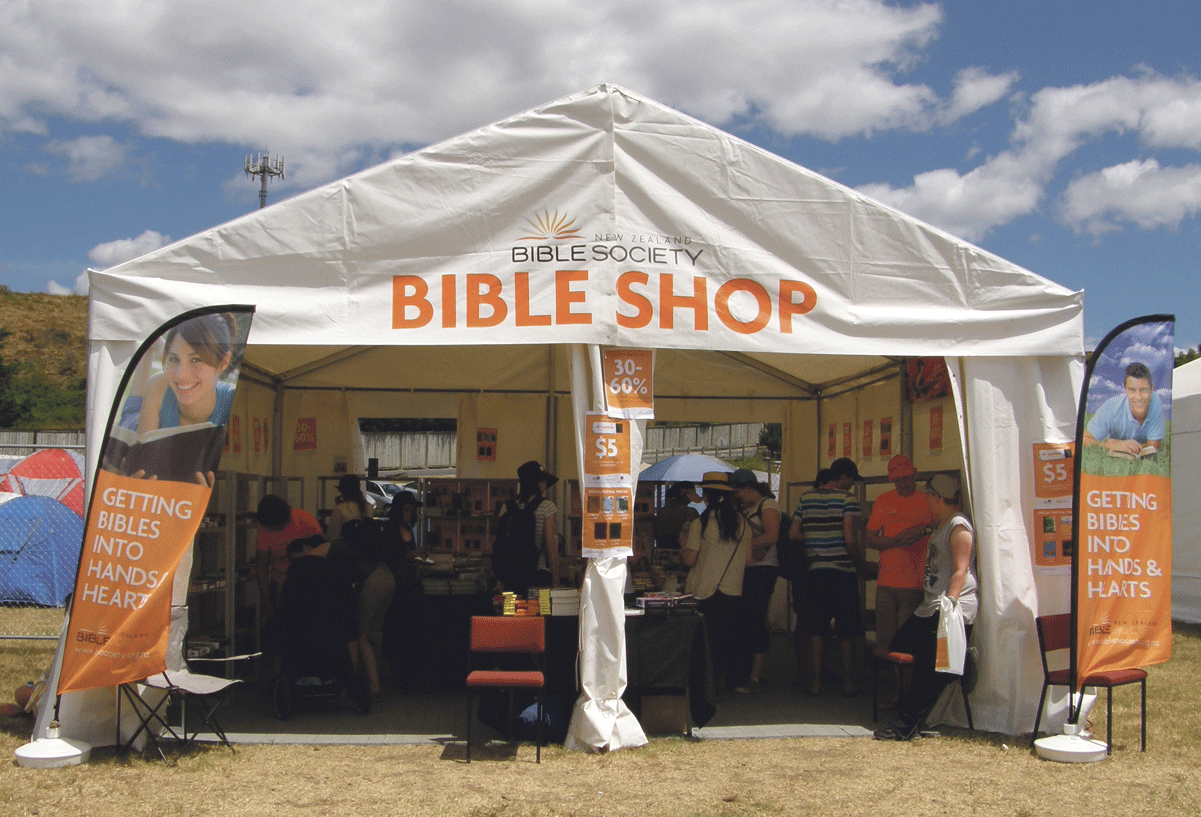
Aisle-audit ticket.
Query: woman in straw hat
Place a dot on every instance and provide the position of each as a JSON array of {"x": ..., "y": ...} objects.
[{"x": 717, "y": 551}]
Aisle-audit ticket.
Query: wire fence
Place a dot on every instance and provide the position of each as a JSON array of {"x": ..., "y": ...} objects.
[{"x": 41, "y": 528}]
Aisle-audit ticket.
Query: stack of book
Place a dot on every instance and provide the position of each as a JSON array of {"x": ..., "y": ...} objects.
[
  {"x": 508, "y": 603},
  {"x": 667, "y": 602},
  {"x": 542, "y": 596},
  {"x": 526, "y": 607},
  {"x": 564, "y": 601},
  {"x": 433, "y": 586},
  {"x": 465, "y": 585}
]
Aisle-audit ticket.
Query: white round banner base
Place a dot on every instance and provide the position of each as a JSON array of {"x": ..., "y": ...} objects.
[
  {"x": 1070, "y": 749},
  {"x": 53, "y": 753}
]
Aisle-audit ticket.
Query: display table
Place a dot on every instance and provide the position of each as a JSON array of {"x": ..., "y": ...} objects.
[
  {"x": 426, "y": 638},
  {"x": 665, "y": 653}
]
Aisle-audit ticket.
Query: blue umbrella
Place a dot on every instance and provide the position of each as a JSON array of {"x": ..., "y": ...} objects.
[{"x": 686, "y": 467}]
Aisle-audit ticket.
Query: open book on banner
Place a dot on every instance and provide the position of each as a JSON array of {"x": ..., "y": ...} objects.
[
  {"x": 158, "y": 464},
  {"x": 1122, "y": 562}
]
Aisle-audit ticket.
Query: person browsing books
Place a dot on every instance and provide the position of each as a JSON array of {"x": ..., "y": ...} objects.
[{"x": 1129, "y": 424}]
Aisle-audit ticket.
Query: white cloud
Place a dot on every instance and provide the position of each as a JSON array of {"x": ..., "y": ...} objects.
[
  {"x": 321, "y": 82},
  {"x": 1056, "y": 123},
  {"x": 1138, "y": 192},
  {"x": 80, "y": 288},
  {"x": 963, "y": 205},
  {"x": 976, "y": 89},
  {"x": 112, "y": 253},
  {"x": 90, "y": 157}
]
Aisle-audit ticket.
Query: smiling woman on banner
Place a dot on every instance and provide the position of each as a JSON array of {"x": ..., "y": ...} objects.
[
  {"x": 189, "y": 390},
  {"x": 172, "y": 421}
]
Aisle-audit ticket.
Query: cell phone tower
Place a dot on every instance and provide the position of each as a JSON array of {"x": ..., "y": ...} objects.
[{"x": 264, "y": 166}]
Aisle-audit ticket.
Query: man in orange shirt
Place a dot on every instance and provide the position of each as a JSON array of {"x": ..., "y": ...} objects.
[{"x": 899, "y": 526}]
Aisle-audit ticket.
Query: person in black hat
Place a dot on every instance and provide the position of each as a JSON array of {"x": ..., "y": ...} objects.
[
  {"x": 759, "y": 507},
  {"x": 533, "y": 481},
  {"x": 717, "y": 550}
]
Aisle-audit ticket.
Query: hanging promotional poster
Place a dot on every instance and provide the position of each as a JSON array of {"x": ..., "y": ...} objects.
[
  {"x": 157, "y": 468},
  {"x": 608, "y": 488},
  {"x": 1054, "y": 474},
  {"x": 1122, "y": 565},
  {"x": 629, "y": 383}
]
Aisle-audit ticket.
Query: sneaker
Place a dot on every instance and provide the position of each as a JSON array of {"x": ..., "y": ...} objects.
[
  {"x": 748, "y": 687},
  {"x": 893, "y": 733}
]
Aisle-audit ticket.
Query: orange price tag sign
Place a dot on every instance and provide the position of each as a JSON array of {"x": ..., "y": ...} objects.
[
  {"x": 629, "y": 383},
  {"x": 1053, "y": 466},
  {"x": 607, "y": 446}
]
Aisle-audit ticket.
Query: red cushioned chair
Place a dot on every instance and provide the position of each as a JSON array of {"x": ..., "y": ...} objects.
[
  {"x": 507, "y": 634},
  {"x": 1055, "y": 633}
]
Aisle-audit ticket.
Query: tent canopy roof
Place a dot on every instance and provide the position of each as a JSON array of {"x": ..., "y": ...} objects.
[{"x": 600, "y": 218}]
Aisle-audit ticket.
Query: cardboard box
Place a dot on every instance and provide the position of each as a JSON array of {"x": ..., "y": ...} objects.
[{"x": 664, "y": 714}]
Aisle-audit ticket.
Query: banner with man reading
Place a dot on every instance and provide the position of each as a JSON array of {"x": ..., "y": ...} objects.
[
  {"x": 1122, "y": 562},
  {"x": 158, "y": 464}
]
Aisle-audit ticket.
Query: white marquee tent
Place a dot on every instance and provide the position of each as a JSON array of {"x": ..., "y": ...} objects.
[
  {"x": 1186, "y": 504},
  {"x": 477, "y": 278}
]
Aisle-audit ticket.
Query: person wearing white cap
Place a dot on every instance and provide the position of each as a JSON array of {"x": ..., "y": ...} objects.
[
  {"x": 950, "y": 572},
  {"x": 899, "y": 525}
]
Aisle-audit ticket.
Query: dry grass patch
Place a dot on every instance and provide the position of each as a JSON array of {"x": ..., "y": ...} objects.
[{"x": 958, "y": 773}]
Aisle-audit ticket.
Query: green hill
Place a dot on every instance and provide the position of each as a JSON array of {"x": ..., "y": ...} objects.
[{"x": 43, "y": 360}]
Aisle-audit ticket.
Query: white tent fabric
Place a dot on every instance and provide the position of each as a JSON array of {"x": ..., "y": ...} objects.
[
  {"x": 1186, "y": 504},
  {"x": 451, "y": 281}
]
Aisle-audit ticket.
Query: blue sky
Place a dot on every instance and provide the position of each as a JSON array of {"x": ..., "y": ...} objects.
[{"x": 1063, "y": 136}]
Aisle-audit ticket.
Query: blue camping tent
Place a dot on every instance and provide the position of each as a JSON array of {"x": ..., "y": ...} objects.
[{"x": 39, "y": 551}]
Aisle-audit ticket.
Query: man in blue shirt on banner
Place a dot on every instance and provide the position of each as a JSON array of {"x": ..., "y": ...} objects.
[{"x": 1130, "y": 422}]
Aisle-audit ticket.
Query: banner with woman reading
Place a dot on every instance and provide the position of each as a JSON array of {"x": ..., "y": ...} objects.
[{"x": 158, "y": 464}]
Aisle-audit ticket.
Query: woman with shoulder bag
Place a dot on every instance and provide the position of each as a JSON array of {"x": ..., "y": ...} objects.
[
  {"x": 717, "y": 551},
  {"x": 760, "y": 509}
]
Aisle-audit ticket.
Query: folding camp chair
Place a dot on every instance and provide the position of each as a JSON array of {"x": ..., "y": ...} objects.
[
  {"x": 180, "y": 687},
  {"x": 508, "y": 634}
]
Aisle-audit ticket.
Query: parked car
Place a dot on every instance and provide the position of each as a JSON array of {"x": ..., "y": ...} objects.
[{"x": 380, "y": 492}]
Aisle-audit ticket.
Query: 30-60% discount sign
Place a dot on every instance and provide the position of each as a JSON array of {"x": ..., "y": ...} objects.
[{"x": 629, "y": 384}]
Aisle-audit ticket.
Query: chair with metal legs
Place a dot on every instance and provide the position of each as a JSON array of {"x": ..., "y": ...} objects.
[
  {"x": 1055, "y": 634},
  {"x": 508, "y": 634}
]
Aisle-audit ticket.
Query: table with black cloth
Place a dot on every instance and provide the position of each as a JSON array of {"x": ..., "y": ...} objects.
[
  {"x": 427, "y": 637},
  {"x": 665, "y": 653}
]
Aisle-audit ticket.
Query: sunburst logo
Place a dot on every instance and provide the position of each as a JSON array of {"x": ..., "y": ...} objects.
[{"x": 547, "y": 226}]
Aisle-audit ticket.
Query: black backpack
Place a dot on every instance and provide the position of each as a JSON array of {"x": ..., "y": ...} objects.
[
  {"x": 515, "y": 550},
  {"x": 794, "y": 564},
  {"x": 367, "y": 539}
]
